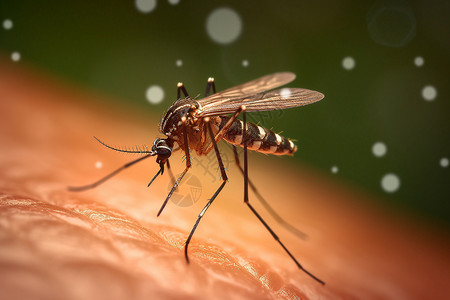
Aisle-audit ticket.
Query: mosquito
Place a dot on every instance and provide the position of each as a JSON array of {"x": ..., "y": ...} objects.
[{"x": 200, "y": 124}]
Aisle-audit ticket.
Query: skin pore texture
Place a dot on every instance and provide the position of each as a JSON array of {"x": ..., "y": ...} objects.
[{"x": 107, "y": 243}]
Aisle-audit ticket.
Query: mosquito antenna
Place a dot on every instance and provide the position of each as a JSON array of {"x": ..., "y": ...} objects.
[
  {"x": 101, "y": 180},
  {"x": 136, "y": 150}
]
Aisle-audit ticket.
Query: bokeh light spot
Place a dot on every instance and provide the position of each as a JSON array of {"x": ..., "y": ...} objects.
[
  {"x": 348, "y": 63},
  {"x": 444, "y": 162},
  {"x": 285, "y": 93},
  {"x": 391, "y": 23},
  {"x": 179, "y": 63},
  {"x": 429, "y": 93},
  {"x": 15, "y": 56},
  {"x": 155, "y": 94},
  {"x": 145, "y": 6},
  {"x": 7, "y": 24},
  {"x": 379, "y": 149},
  {"x": 224, "y": 25},
  {"x": 419, "y": 61},
  {"x": 245, "y": 63},
  {"x": 390, "y": 183},
  {"x": 334, "y": 169},
  {"x": 174, "y": 2}
]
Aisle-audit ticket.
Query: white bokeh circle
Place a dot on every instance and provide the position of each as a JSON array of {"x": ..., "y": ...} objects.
[
  {"x": 7, "y": 24},
  {"x": 224, "y": 25},
  {"x": 390, "y": 183},
  {"x": 429, "y": 93},
  {"x": 145, "y": 6},
  {"x": 379, "y": 149},
  {"x": 419, "y": 61},
  {"x": 155, "y": 94},
  {"x": 348, "y": 63},
  {"x": 15, "y": 56}
]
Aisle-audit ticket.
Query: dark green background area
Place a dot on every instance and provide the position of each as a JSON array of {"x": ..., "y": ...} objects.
[{"x": 111, "y": 47}]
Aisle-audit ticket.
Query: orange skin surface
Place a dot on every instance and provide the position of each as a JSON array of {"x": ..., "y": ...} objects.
[{"x": 107, "y": 243}]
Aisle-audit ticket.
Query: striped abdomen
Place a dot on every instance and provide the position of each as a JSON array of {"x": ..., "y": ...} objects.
[{"x": 258, "y": 138}]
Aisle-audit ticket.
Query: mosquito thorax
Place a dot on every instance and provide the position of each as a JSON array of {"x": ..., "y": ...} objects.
[{"x": 172, "y": 120}]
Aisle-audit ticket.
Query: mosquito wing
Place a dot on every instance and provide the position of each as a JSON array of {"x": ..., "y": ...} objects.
[
  {"x": 262, "y": 84},
  {"x": 271, "y": 100}
]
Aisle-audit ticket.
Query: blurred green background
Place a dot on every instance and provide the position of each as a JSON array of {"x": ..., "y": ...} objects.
[{"x": 384, "y": 67}]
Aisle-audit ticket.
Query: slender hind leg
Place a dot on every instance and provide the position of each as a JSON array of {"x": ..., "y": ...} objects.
[
  {"x": 224, "y": 178},
  {"x": 266, "y": 205},
  {"x": 246, "y": 182}
]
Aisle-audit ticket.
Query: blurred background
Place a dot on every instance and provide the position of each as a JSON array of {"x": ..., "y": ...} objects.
[{"x": 384, "y": 67}]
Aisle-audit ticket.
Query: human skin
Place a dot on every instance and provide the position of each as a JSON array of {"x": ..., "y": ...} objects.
[{"x": 107, "y": 243}]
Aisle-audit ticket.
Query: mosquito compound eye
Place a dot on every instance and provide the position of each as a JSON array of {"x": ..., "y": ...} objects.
[{"x": 163, "y": 151}]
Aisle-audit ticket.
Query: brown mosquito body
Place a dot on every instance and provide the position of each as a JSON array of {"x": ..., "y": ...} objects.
[
  {"x": 200, "y": 124},
  {"x": 258, "y": 138}
]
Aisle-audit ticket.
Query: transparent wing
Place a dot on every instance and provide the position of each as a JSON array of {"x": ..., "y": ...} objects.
[
  {"x": 272, "y": 100},
  {"x": 262, "y": 84}
]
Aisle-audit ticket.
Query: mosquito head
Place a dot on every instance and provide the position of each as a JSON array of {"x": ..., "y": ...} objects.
[{"x": 163, "y": 149}]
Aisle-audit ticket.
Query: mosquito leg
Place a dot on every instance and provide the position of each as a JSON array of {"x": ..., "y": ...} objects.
[
  {"x": 210, "y": 85},
  {"x": 246, "y": 181},
  {"x": 266, "y": 205},
  {"x": 224, "y": 178},
  {"x": 227, "y": 126},
  {"x": 98, "y": 182},
  {"x": 230, "y": 121},
  {"x": 188, "y": 165},
  {"x": 172, "y": 178},
  {"x": 181, "y": 88}
]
